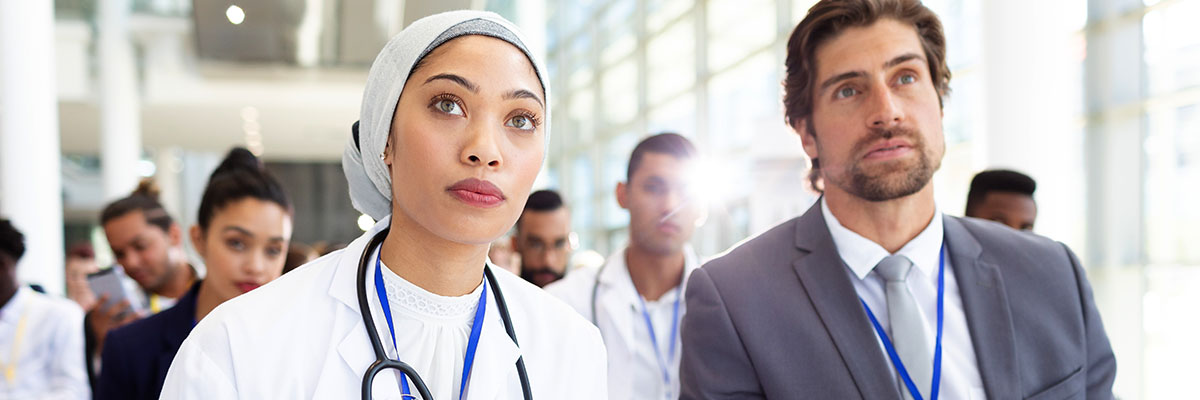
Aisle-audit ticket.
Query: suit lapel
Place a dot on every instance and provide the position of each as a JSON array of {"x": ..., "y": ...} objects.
[
  {"x": 181, "y": 319},
  {"x": 985, "y": 304},
  {"x": 826, "y": 280}
]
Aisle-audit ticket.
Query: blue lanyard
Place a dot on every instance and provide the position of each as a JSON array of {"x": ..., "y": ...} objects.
[
  {"x": 663, "y": 364},
  {"x": 937, "y": 352},
  {"x": 472, "y": 343}
]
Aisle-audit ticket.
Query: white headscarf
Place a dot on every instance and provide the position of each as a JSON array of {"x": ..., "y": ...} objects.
[{"x": 370, "y": 182}]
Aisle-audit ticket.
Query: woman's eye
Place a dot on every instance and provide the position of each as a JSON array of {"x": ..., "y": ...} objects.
[
  {"x": 448, "y": 107},
  {"x": 235, "y": 244},
  {"x": 907, "y": 79},
  {"x": 274, "y": 252},
  {"x": 520, "y": 122},
  {"x": 845, "y": 92}
]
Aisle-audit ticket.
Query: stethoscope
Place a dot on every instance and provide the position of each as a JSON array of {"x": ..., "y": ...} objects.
[{"x": 382, "y": 362}]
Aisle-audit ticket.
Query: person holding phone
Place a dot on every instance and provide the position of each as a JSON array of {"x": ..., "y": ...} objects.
[
  {"x": 242, "y": 232},
  {"x": 148, "y": 246},
  {"x": 450, "y": 140},
  {"x": 41, "y": 337}
]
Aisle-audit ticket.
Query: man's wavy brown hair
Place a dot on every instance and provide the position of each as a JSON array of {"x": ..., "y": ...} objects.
[{"x": 828, "y": 18}]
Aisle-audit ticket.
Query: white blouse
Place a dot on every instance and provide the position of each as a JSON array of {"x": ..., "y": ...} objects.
[{"x": 431, "y": 331}]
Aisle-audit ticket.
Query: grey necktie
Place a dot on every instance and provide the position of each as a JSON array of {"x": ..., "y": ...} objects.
[{"x": 907, "y": 325}]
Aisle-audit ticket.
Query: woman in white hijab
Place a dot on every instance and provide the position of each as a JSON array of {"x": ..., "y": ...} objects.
[{"x": 451, "y": 137}]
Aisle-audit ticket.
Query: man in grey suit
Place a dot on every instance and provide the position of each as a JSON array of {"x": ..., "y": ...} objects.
[{"x": 874, "y": 293}]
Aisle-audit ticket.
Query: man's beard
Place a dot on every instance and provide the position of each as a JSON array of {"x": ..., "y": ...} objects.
[
  {"x": 878, "y": 184},
  {"x": 529, "y": 274}
]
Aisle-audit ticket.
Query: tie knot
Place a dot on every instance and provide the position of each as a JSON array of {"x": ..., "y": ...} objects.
[{"x": 894, "y": 268}]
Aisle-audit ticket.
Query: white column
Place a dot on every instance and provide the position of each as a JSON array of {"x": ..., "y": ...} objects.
[
  {"x": 30, "y": 169},
  {"x": 120, "y": 104},
  {"x": 1033, "y": 106}
]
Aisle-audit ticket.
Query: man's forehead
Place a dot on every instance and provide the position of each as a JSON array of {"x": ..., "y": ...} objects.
[
  {"x": 545, "y": 219},
  {"x": 662, "y": 165},
  {"x": 866, "y": 48}
]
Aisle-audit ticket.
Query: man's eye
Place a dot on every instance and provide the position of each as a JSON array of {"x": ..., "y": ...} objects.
[
  {"x": 907, "y": 79},
  {"x": 845, "y": 92}
]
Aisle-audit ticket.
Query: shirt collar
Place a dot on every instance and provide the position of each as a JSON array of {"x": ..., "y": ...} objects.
[
  {"x": 861, "y": 254},
  {"x": 616, "y": 272},
  {"x": 11, "y": 311}
]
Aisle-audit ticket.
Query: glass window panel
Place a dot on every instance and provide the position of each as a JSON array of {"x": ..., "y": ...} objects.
[
  {"x": 799, "y": 10},
  {"x": 737, "y": 28},
  {"x": 960, "y": 22},
  {"x": 581, "y": 76},
  {"x": 582, "y": 192},
  {"x": 580, "y": 110},
  {"x": 577, "y": 18},
  {"x": 581, "y": 49},
  {"x": 616, "y": 162},
  {"x": 661, "y": 12},
  {"x": 618, "y": 48},
  {"x": 745, "y": 102},
  {"x": 677, "y": 115},
  {"x": 671, "y": 57},
  {"x": 1172, "y": 47},
  {"x": 619, "y": 90},
  {"x": 619, "y": 16},
  {"x": 963, "y": 107},
  {"x": 1172, "y": 157}
]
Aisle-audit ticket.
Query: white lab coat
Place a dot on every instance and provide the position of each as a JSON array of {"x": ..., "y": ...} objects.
[
  {"x": 302, "y": 336},
  {"x": 622, "y": 325}
]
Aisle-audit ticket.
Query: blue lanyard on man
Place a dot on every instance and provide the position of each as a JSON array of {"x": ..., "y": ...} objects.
[
  {"x": 664, "y": 365},
  {"x": 937, "y": 352},
  {"x": 472, "y": 343}
]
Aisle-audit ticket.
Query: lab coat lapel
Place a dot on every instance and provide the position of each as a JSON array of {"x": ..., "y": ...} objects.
[
  {"x": 494, "y": 372},
  {"x": 353, "y": 344},
  {"x": 617, "y": 301}
]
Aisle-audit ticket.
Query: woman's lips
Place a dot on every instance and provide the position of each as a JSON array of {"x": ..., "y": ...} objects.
[
  {"x": 477, "y": 193},
  {"x": 247, "y": 286}
]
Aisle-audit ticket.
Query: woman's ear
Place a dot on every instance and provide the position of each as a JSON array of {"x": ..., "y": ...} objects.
[{"x": 387, "y": 152}]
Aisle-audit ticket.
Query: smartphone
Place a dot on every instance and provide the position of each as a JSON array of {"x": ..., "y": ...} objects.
[{"x": 111, "y": 282}]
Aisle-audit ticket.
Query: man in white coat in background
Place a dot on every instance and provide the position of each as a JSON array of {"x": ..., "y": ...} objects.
[{"x": 636, "y": 298}]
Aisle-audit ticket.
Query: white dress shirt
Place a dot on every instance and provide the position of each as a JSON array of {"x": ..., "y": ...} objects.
[
  {"x": 432, "y": 332},
  {"x": 47, "y": 363},
  {"x": 960, "y": 373},
  {"x": 633, "y": 369}
]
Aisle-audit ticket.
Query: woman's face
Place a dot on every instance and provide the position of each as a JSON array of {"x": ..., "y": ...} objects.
[
  {"x": 467, "y": 140},
  {"x": 244, "y": 246}
]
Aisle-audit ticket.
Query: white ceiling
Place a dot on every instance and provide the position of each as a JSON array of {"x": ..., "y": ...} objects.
[{"x": 196, "y": 101}]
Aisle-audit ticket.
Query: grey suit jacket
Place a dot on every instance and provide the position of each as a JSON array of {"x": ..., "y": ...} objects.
[{"x": 778, "y": 317}]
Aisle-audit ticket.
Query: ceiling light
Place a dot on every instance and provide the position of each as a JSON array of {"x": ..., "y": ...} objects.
[{"x": 235, "y": 14}]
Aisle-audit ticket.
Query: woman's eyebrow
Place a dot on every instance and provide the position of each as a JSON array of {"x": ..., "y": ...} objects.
[
  {"x": 523, "y": 94},
  {"x": 456, "y": 79}
]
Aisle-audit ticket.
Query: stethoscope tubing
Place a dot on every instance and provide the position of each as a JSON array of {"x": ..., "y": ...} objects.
[{"x": 382, "y": 362}]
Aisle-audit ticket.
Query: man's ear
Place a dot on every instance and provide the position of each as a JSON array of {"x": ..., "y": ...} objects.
[
  {"x": 622, "y": 195},
  {"x": 807, "y": 137},
  {"x": 197, "y": 240},
  {"x": 175, "y": 235}
]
